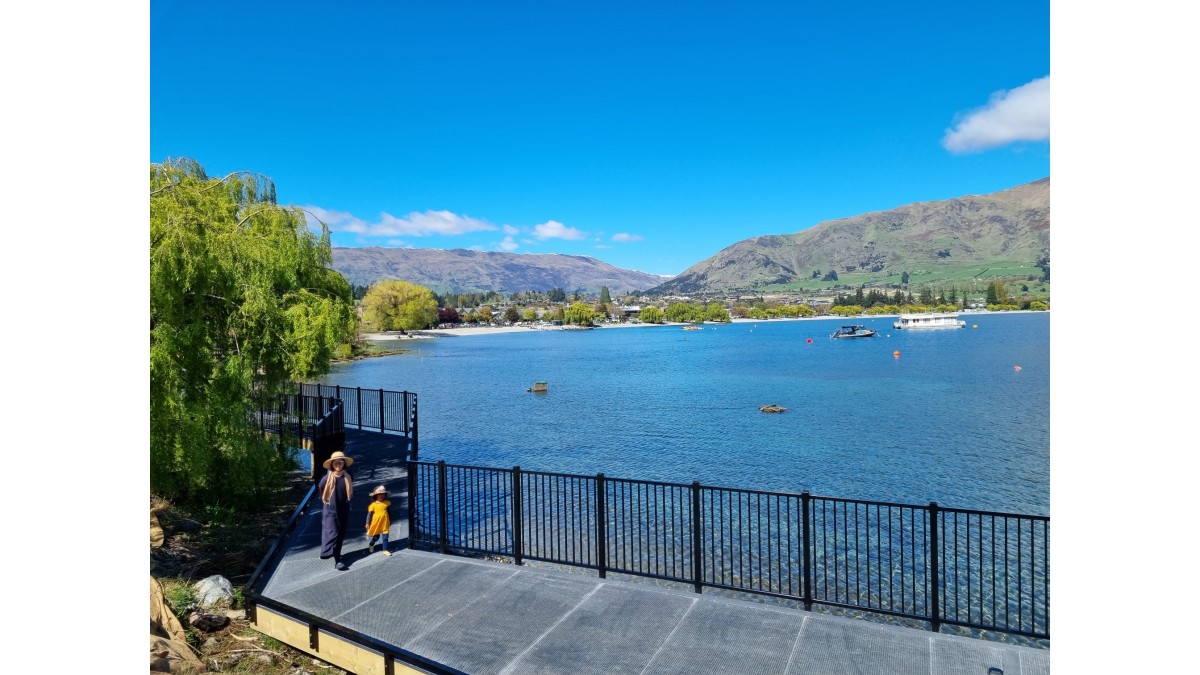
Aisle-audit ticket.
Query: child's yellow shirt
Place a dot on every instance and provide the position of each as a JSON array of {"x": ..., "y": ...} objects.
[{"x": 380, "y": 521}]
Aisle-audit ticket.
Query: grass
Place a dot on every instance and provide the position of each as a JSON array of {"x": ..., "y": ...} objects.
[
  {"x": 973, "y": 278},
  {"x": 216, "y": 539}
]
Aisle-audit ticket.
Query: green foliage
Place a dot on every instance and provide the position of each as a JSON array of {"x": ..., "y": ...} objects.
[
  {"x": 180, "y": 596},
  {"x": 846, "y": 310},
  {"x": 605, "y": 298},
  {"x": 579, "y": 313},
  {"x": 242, "y": 301},
  {"x": 392, "y": 304},
  {"x": 1043, "y": 262},
  {"x": 684, "y": 312},
  {"x": 651, "y": 314},
  {"x": 530, "y": 314},
  {"x": 715, "y": 311},
  {"x": 511, "y": 314},
  {"x": 997, "y": 294},
  {"x": 1038, "y": 306},
  {"x": 484, "y": 314},
  {"x": 763, "y": 311},
  {"x": 1003, "y": 307},
  {"x": 219, "y": 515}
]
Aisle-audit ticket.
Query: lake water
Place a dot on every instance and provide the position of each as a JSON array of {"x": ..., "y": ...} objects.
[{"x": 951, "y": 419}]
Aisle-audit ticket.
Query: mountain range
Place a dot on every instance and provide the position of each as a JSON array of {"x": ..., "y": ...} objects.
[
  {"x": 970, "y": 236},
  {"x": 993, "y": 235},
  {"x": 460, "y": 270}
]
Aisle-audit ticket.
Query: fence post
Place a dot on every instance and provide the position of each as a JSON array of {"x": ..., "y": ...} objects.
[
  {"x": 805, "y": 500},
  {"x": 413, "y": 532},
  {"x": 518, "y": 533},
  {"x": 381, "y": 411},
  {"x": 442, "y": 508},
  {"x": 601, "y": 532},
  {"x": 935, "y": 609},
  {"x": 697, "y": 546},
  {"x": 358, "y": 402},
  {"x": 415, "y": 439}
]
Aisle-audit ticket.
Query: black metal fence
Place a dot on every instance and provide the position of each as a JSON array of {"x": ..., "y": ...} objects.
[
  {"x": 372, "y": 409},
  {"x": 977, "y": 569},
  {"x": 299, "y": 417}
]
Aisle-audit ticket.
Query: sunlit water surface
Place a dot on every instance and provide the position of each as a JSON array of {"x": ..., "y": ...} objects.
[{"x": 950, "y": 419}]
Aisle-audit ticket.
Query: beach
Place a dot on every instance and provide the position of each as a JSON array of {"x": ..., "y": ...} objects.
[
  {"x": 496, "y": 330},
  {"x": 485, "y": 330}
]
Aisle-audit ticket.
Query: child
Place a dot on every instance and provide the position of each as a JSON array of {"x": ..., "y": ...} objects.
[{"x": 378, "y": 520}]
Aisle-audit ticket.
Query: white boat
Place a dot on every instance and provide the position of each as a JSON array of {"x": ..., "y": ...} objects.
[{"x": 923, "y": 321}]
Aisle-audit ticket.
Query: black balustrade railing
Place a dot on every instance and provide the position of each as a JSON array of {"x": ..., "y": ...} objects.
[
  {"x": 372, "y": 409},
  {"x": 295, "y": 415},
  {"x": 976, "y": 569}
]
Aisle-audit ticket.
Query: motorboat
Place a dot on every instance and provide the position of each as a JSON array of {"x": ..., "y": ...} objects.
[
  {"x": 853, "y": 332},
  {"x": 923, "y": 321}
]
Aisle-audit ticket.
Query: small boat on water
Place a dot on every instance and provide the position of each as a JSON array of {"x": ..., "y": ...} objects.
[
  {"x": 923, "y": 321},
  {"x": 853, "y": 332},
  {"x": 693, "y": 328}
]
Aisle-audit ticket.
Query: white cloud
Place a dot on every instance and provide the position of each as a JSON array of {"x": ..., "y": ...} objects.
[
  {"x": 625, "y": 236},
  {"x": 510, "y": 230},
  {"x": 415, "y": 224},
  {"x": 428, "y": 223},
  {"x": 1021, "y": 114},
  {"x": 338, "y": 221},
  {"x": 552, "y": 229},
  {"x": 398, "y": 243},
  {"x": 508, "y": 244}
]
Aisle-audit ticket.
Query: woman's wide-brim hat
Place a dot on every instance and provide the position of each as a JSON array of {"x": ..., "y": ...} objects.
[
  {"x": 379, "y": 491},
  {"x": 337, "y": 455}
]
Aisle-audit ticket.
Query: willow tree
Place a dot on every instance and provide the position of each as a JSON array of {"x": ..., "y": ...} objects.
[
  {"x": 399, "y": 305},
  {"x": 242, "y": 301}
]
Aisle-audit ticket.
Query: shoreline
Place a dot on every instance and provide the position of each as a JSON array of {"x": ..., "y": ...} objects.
[{"x": 429, "y": 333}]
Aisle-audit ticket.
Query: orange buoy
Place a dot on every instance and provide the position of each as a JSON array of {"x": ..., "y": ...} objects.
[{"x": 896, "y": 353}]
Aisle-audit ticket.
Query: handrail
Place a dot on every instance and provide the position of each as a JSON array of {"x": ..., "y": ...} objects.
[
  {"x": 276, "y": 547},
  {"x": 979, "y": 569}
]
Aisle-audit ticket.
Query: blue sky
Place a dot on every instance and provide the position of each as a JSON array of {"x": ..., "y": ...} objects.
[{"x": 648, "y": 135}]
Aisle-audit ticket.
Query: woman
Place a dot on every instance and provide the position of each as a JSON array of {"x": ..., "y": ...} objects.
[{"x": 336, "y": 488}]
